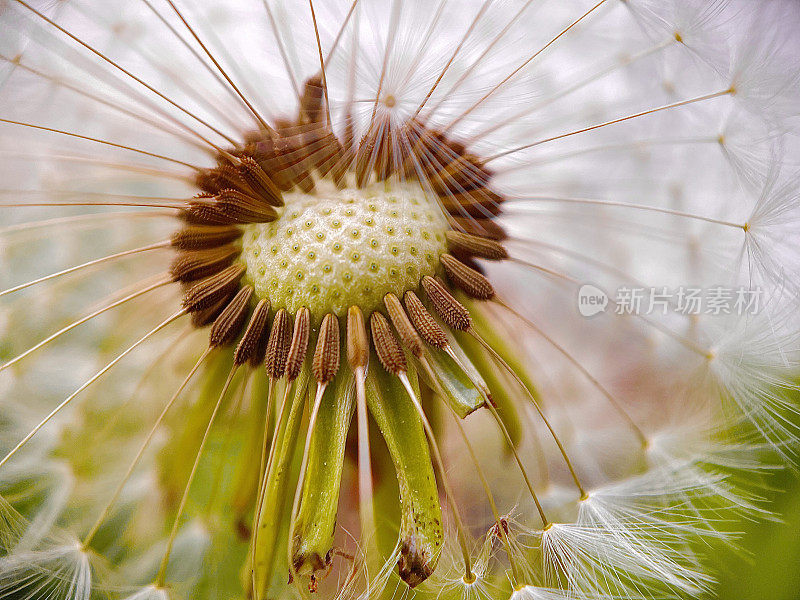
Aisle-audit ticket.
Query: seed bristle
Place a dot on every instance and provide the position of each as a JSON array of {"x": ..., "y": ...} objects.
[
  {"x": 198, "y": 237},
  {"x": 326, "y": 355},
  {"x": 280, "y": 340},
  {"x": 240, "y": 207},
  {"x": 480, "y": 203},
  {"x": 485, "y": 228},
  {"x": 208, "y": 291},
  {"x": 205, "y": 317},
  {"x": 472, "y": 245},
  {"x": 202, "y": 211},
  {"x": 311, "y": 100},
  {"x": 230, "y": 321},
  {"x": 466, "y": 278},
  {"x": 357, "y": 342},
  {"x": 251, "y": 347},
  {"x": 257, "y": 179},
  {"x": 388, "y": 349},
  {"x": 408, "y": 335},
  {"x": 191, "y": 266},
  {"x": 451, "y": 311},
  {"x": 299, "y": 346},
  {"x": 427, "y": 327}
]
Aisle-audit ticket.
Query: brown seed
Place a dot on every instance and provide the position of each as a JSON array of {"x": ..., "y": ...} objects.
[
  {"x": 459, "y": 174},
  {"x": 482, "y": 203},
  {"x": 243, "y": 208},
  {"x": 197, "y": 237},
  {"x": 472, "y": 245},
  {"x": 293, "y": 160},
  {"x": 424, "y": 322},
  {"x": 331, "y": 158},
  {"x": 190, "y": 266},
  {"x": 451, "y": 311},
  {"x": 408, "y": 335},
  {"x": 481, "y": 227},
  {"x": 202, "y": 210},
  {"x": 208, "y": 291},
  {"x": 388, "y": 349},
  {"x": 224, "y": 175},
  {"x": 326, "y": 356},
  {"x": 206, "y": 316},
  {"x": 251, "y": 346},
  {"x": 299, "y": 346},
  {"x": 311, "y": 100},
  {"x": 256, "y": 178},
  {"x": 467, "y": 279},
  {"x": 364, "y": 160},
  {"x": 280, "y": 340},
  {"x": 357, "y": 342},
  {"x": 230, "y": 321}
]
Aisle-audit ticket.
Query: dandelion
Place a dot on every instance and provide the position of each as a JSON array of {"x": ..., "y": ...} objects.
[{"x": 294, "y": 296}]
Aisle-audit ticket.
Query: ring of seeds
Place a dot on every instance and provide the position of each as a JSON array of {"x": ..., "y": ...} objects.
[{"x": 298, "y": 243}]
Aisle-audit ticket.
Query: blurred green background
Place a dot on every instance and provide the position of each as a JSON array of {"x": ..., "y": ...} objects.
[{"x": 767, "y": 566}]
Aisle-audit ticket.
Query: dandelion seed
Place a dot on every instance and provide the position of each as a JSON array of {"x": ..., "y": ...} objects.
[{"x": 378, "y": 222}]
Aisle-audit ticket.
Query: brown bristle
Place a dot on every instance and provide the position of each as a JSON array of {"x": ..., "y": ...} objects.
[
  {"x": 481, "y": 203},
  {"x": 451, "y": 311},
  {"x": 280, "y": 340},
  {"x": 423, "y": 321},
  {"x": 472, "y": 245},
  {"x": 408, "y": 335},
  {"x": 208, "y": 291},
  {"x": 326, "y": 355},
  {"x": 357, "y": 342},
  {"x": 284, "y": 162},
  {"x": 202, "y": 211},
  {"x": 349, "y": 137},
  {"x": 460, "y": 173},
  {"x": 243, "y": 208},
  {"x": 467, "y": 279},
  {"x": 259, "y": 182},
  {"x": 197, "y": 237},
  {"x": 364, "y": 154},
  {"x": 311, "y": 100},
  {"x": 301, "y": 167},
  {"x": 385, "y": 160},
  {"x": 230, "y": 321},
  {"x": 486, "y": 228},
  {"x": 331, "y": 159},
  {"x": 203, "y": 318},
  {"x": 190, "y": 266},
  {"x": 213, "y": 180},
  {"x": 299, "y": 346},
  {"x": 251, "y": 346},
  {"x": 422, "y": 150},
  {"x": 388, "y": 349}
]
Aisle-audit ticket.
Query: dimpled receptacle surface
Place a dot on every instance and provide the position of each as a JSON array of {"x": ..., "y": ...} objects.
[{"x": 347, "y": 247}]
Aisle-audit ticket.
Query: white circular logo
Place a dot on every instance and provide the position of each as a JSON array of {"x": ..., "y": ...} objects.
[{"x": 591, "y": 300}]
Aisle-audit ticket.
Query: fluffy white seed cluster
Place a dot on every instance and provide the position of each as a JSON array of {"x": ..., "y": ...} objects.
[{"x": 643, "y": 147}]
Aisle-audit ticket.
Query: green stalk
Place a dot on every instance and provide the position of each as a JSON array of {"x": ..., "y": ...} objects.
[
  {"x": 421, "y": 533},
  {"x": 276, "y": 504},
  {"x": 312, "y": 538},
  {"x": 457, "y": 386}
]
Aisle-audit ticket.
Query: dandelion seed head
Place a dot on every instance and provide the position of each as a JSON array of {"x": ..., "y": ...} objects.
[
  {"x": 351, "y": 248},
  {"x": 291, "y": 295}
]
